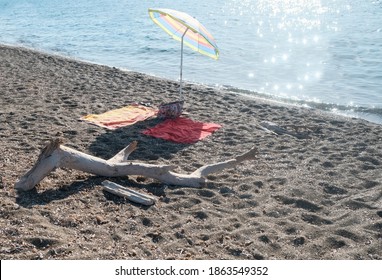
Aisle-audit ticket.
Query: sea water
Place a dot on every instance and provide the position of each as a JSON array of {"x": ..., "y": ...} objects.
[{"x": 324, "y": 54}]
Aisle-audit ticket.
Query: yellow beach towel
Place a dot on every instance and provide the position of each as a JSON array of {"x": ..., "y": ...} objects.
[{"x": 121, "y": 117}]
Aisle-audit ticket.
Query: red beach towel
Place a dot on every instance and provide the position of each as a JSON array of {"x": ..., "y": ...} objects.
[{"x": 182, "y": 130}]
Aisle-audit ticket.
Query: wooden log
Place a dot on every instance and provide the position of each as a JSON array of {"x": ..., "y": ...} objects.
[{"x": 55, "y": 155}]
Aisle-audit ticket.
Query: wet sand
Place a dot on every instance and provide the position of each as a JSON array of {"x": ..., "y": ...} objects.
[{"x": 314, "y": 195}]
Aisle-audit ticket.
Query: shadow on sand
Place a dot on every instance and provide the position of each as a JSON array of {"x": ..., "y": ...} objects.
[{"x": 149, "y": 148}]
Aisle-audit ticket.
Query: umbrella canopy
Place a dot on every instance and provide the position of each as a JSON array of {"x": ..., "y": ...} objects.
[{"x": 188, "y": 31}]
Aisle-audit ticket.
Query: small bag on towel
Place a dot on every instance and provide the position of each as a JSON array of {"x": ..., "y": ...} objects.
[{"x": 170, "y": 110}]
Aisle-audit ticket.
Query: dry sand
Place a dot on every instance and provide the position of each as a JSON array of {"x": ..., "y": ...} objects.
[{"x": 314, "y": 197}]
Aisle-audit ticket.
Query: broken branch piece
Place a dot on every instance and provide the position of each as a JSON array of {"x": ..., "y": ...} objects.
[{"x": 131, "y": 195}]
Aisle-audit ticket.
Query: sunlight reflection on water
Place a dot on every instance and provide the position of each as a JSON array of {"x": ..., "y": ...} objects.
[{"x": 293, "y": 29}]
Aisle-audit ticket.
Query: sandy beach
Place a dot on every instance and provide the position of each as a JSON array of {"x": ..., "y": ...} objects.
[{"x": 315, "y": 195}]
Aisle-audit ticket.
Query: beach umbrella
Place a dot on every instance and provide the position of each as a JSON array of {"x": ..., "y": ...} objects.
[{"x": 188, "y": 30}]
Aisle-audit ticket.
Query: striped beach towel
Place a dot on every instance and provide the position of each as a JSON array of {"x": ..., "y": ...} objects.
[{"x": 121, "y": 117}]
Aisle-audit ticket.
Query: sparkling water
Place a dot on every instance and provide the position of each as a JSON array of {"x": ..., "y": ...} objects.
[{"x": 325, "y": 54}]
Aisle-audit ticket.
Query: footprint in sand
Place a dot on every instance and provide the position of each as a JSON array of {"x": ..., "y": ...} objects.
[
  {"x": 355, "y": 205},
  {"x": 147, "y": 222},
  {"x": 298, "y": 203},
  {"x": 42, "y": 242},
  {"x": 379, "y": 213},
  {"x": 187, "y": 203},
  {"x": 335, "y": 243},
  {"x": 206, "y": 193},
  {"x": 370, "y": 184},
  {"x": 369, "y": 160},
  {"x": 299, "y": 241},
  {"x": 333, "y": 190},
  {"x": 155, "y": 237},
  {"x": 377, "y": 227},
  {"x": 201, "y": 215},
  {"x": 348, "y": 234},
  {"x": 315, "y": 220}
]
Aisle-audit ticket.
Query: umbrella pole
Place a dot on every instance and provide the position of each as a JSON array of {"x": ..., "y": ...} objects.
[{"x": 181, "y": 66}]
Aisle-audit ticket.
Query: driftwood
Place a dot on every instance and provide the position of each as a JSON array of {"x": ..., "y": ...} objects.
[
  {"x": 130, "y": 194},
  {"x": 275, "y": 129},
  {"x": 55, "y": 155}
]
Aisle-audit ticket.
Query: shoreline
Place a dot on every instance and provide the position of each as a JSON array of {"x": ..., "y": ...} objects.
[
  {"x": 317, "y": 197},
  {"x": 369, "y": 114}
]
